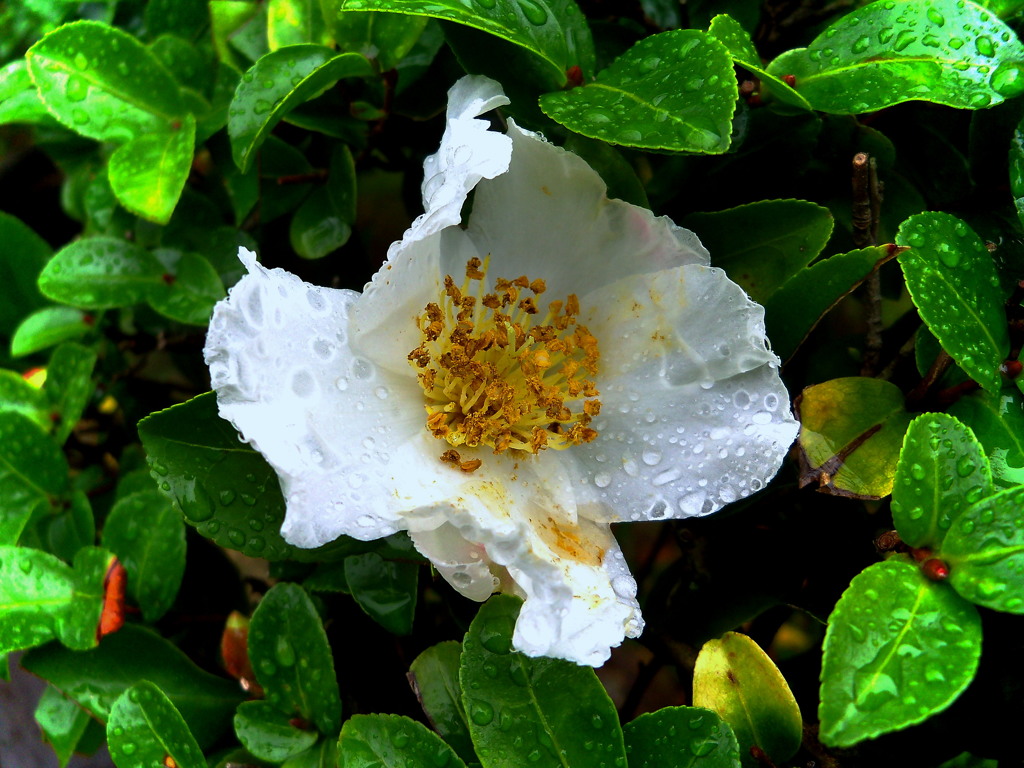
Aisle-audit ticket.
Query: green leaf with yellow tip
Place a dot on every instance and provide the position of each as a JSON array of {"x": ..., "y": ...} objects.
[
  {"x": 145, "y": 729},
  {"x": 851, "y": 433},
  {"x": 369, "y": 741},
  {"x": 899, "y": 648},
  {"x": 736, "y": 679},
  {"x": 681, "y": 737},
  {"x": 941, "y": 471}
]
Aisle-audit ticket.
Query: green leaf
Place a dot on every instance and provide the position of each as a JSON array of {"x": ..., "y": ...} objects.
[
  {"x": 385, "y": 589},
  {"x": 145, "y": 729},
  {"x": 18, "y": 396},
  {"x": 285, "y": 630},
  {"x": 190, "y": 290},
  {"x": 672, "y": 91},
  {"x": 268, "y": 734},
  {"x": 148, "y": 173},
  {"x": 62, "y": 722},
  {"x": 33, "y": 473},
  {"x": 279, "y": 82},
  {"x": 942, "y": 470},
  {"x": 49, "y": 326},
  {"x": 19, "y": 97},
  {"x": 554, "y": 30},
  {"x": 998, "y": 422},
  {"x": 317, "y": 228},
  {"x": 1017, "y": 170},
  {"x": 69, "y": 385},
  {"x": 795, "y": 308},
  {"x": 99, "y": 273},
  {"x": 294, "y": 22},
  {"x": 21, "y": 260},
  {"x": 734, "y": 37},
  {"x": 103, "y": 83},
  {"x": 532, "y": 711},
  {"x": 898, "y": 649},
  {"x": 434, "y": 677},
  {"x": 985, "y": 552},
  {"x": 96, "y": 678},
  {"x": 736, "y": 679},
  {"x": 148, "y": 537},
  {"x": 224, "y": 488},
  {"x": 953, "y": 282},
  {"x": 386, "y": 37},
  {"x": 324, "y": 754},
  {"x": 850, "y": 437},
  {"x": 68, "y": 530},
  {"x": 369, "y": 741},
  {"x": 763, "y": 245},
  {"x": 681, "y": 737},
  {"x": 945, "y": 51}
]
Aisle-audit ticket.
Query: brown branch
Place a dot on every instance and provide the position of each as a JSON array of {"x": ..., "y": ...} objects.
[{"x": 867, "y": 202}]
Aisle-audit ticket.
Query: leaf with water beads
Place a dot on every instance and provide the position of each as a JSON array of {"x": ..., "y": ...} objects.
[
  {"x": 292, "y": 659},
  {"x": 101, "y": 273},
  {"x": 369, "y": 741},
  {"x": 542, "y": 712},
  {"x": 898, "y": 649},
  {"x": 434, "y": 677},
  {"x": 385, "y": 589},
  {"x": 191, "y": 289},
  {"x": 145, "y": 729},
  {"x": 681, "y": 737},
  {"x": 673, "y": 91},
  {"x": 33, "y": 473},
  {"x": 62, "y": 722},
  {"x": 985, "y": 552},
  {"x": 386, "y": 37},
  {"x": 951, "y": 52},
  {"x": 998, "y": 422},
  {"x": 942, "y": 470},
  {"x": 69, "y": 385},
  {"x": 953, "y": 281},
  {"x": 269, "y": 734}
]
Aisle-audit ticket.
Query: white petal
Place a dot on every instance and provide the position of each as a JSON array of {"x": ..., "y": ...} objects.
[
  {"x": 549, "y": 217},
  {"x": 694, "y": 414}
]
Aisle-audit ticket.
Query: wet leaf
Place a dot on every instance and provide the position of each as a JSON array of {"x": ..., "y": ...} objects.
[
  {"x": 671, "y": 91},
  {"x": 531, "y": 711},
  {"x": 269, "y": 734},
  {"x": 285, "y": 631},
  {"x": 998, "y": 423},
  {"x": 145, "y": 729},
  {"x": 368, "y": 741},
  {"x": 33, "y": 473},
  {"x": 317, "y": 229},
  {"x": 953, "y": 282},
  {"x": 942, "y": 470},
  {"x": 898, "y": 649},
  {"x": 190, "y": 290},
  {"x": 763, "y": 245},
  {"x": 293, "y": 22},
  {"x": 99, "y": 273},
  {"x": 851, "y": 432},
  {"x": 385, "y": 589},
  {"x": 69, "y": 385},
  {"x": 945, "y": 51},
  {"x": 17, "y": 395},
  {"x": 681, "y": 737},
  {"x": 985, "y": 552},
  {"x": 386, "y": 37},
  {"x": 736, "y": 679},
  {"x": 49, "y": 326},
  {"x": 62, "y": 722},
  {"x": 434, "y": 677}
]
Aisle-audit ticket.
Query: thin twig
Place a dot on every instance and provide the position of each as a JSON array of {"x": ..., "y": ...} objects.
[{"x": 867, "y": 201}]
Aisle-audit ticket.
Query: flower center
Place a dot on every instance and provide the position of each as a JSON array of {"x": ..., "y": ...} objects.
[{"x": 497, "y": 374}]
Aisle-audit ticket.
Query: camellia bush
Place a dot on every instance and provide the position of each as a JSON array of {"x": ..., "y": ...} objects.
[{"x": 514, "y": 382}]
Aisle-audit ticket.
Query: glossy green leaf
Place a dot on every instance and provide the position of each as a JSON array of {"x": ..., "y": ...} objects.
[
  {"x": 385, "y": 589},
  {"x": 734, "y": 37},
  {"x": 898, "y": 649},
  {"x": 148, "y": 173},
  {"x": 850, "y": 437},
  {"x": 985, "y": 552},
  {"x": 69, "y": 385},
  {"x": 294, "y": 22},
  {"x": 103, "y": 83},
  {"x": 945, "y": 51},
  {"x": 792, "y": 311},
  {"x": 19, "y": 97},
  {"x": 100, "y": 272},
  {"x": 33, "y": 473},
  {"x": 224, "y": 488},
  {"x": 191, "y": 65},
  {"x": 953, "y": 282},
  {"x": 21, "y": 260},
  {"x": 434, "y": 677},
  {"x": 62, "y": 722},
  {"x": 96, "y": 678},
  {"x": 42, "y": 598},
  {"x": 145, "y": 729},
  {"x": 736, "y": 679},
  {"x": 763, "y": 245},
  {"x": 672, "y": 91},
  {"x": 268, "y": 734},
  {"x": 317, "y": 228},
  {"x": 148, "y": 536},
  {"x": 17, "y": 395},
  {"x": 681, "y": 737},
  {"x": 279, "y": 82},
  {"x": 285, "y": 631},
  {"x": 942, "y": 470},
  {"x": 998, "y": 422},
  {"x": 49, "y": 326},
  {"x": 386, "y": 37},
  {"x": 190, "y": 290},
  {"x": 554, "y": 30},
  {"x": 66, "y": 531},
  {"x": 184, "y": 18},
  {"x": 369, "y": 741},
  {"x": 531, "y": 711}
]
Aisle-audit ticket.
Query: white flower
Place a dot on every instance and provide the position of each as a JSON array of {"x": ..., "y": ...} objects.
[{"x": 381, "y": 413}]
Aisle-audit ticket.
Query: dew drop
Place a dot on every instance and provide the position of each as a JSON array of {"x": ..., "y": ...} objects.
[
  {"x": 984, "y": 45},
  {"x": 481, "y": 712},
  {"x": 533, "y": 12}
]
